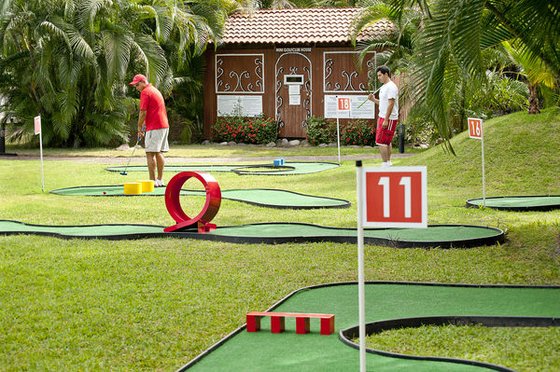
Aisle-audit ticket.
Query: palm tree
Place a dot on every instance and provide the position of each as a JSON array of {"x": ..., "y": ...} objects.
[
  {"x": 456, "y": 31},
  {"x": 534, "y": 71},
  {"x": 69, "y": 60}
]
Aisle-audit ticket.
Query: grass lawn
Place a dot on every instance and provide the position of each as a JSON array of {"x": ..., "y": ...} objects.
[
  {"x": 502, "y": 346},
  {"x": 155, "y": 304}
]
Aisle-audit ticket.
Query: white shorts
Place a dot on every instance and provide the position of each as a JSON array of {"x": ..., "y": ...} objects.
[{"x": 156, "y": 140}]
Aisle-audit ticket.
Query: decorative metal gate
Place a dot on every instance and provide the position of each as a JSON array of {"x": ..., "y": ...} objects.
[{"x": 293, "y": 95}]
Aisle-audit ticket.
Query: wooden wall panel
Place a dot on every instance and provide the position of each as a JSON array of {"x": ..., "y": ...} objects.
[
  {"x": 240, "y": 72},
  {"x": 343, "y": 72},
  {"x": 252, "y": 71}
]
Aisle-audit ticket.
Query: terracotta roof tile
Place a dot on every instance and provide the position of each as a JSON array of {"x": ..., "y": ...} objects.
[{"x": 309, "y": 25}]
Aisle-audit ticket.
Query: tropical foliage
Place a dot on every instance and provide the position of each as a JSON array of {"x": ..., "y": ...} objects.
[
  {"x": 69, "y": 61},
  {"x": 358, "y": 132},
  {"x": 255, "y": 130},
  {"x": 449, "y": 39},
  {"x": 320, "y": 130}
]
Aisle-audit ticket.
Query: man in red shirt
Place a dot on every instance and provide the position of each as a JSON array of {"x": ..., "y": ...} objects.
[{"x": 152, "y": 118}]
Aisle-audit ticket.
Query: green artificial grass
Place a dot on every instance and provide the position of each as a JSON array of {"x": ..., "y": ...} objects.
[
  {"x": 262, "y": 197},
  {"x": 157, "y": 303},
  {"x": 433, "y": 236},
  {"x": 518, "y": 202},
  {"x": 314, "y": 352},
  {"x": 262, "y": 169},
  {"x": 508, "y": 345}
]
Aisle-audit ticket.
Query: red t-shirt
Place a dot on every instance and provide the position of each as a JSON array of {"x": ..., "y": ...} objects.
[{"x": 152, "y": 102}]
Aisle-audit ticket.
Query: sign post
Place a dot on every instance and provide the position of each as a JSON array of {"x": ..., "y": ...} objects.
[
  {"x": 387, "y": 197},
  {"x": 342, "y": 105},
  {"x": 476, "y": 131},
  {"x": 361, "y": 277},
  {"x": 37, "y": 125}
]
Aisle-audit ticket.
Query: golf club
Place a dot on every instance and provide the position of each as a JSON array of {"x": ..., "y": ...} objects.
[
  {"x": 124, "y": 173},
  {"x": 361, "y": 104}
]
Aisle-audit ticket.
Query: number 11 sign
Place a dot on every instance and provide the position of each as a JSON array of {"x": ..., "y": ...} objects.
[
  {"x": 395, "y": 197},
  {"x": 387, "y": 197}
]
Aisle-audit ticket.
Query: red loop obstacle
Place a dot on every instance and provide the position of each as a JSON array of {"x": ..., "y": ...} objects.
[
  {"x": 277, "y": 322},
  {"x": 209, "y": 211}
]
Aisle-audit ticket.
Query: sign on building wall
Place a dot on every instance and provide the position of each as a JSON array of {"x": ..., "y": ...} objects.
[
  {"x": 360, "y": 107},
  {"x": 230, "y": 105}
]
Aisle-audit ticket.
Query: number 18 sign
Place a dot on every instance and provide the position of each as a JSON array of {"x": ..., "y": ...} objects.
[{"x": 395, "y": 197}]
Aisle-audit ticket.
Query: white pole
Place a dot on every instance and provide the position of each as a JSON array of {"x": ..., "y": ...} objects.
[
  {"x": 41, "y": 154},
  {"x": 338, "y": 137},
  {"x": 483, "y": 172},
  {"x": 361, "y": 280},
  {"x": 337, "y": 129}
]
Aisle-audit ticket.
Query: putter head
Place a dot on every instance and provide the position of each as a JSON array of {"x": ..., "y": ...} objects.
[{"x": 124, "y": 173}]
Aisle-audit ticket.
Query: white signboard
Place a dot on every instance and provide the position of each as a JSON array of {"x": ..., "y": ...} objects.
[
  {"x": 360, "y": 107},
  {"x": 295, "y": 100},
  {"x": 239, "y": 105}
]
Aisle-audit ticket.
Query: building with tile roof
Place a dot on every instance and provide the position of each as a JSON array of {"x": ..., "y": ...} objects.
[{"x": 291, "y": 64}]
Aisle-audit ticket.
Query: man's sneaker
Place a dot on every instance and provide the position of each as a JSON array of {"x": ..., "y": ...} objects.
[{"x": 159, "y": 183}]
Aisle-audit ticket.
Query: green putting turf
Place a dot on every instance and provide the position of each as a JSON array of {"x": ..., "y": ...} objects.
[
  {"x": 262, "y": 197},
  {"x": 267, "y": 233},
  {"x": 264, "y": 351},
  {"x": 518, "y": 203},
  {"x": 85, "y": 231},
  {"x": 299, "y": 168}
]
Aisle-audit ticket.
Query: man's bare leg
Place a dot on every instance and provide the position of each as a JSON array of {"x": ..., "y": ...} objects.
[
  {"x": 160, "y": 159},
  {"x": 384, "y": 152},
  {"x": 151, "y": 159}
]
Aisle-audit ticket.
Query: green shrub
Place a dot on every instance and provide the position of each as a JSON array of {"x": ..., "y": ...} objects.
[
  {"x": 320, "y": 130},
  {"x": 358, "y": 132},
  {"x": 257, "y": 130}
]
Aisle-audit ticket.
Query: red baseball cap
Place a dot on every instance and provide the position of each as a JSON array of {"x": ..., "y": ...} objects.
[{"x": 138, "y": 78}]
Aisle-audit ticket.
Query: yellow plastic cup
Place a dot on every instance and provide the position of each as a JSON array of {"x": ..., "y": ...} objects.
[
  {"x": 147, "y": 186},
  {"x": 132, "y": 188}
]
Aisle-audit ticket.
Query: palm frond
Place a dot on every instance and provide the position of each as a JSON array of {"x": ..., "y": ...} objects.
[
  {"x": 116, "y": 45},
  {"x": 87, "y": 12},
  {"x": 151, "y": 56},
  {"x": 368, "y": 17},
  {"x": 535, "y": 23}
]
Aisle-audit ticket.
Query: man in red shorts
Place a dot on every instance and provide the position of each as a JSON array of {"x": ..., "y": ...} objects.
[
  {"x": 152, "y": 118},
  {"x": 388, "y": 116}
]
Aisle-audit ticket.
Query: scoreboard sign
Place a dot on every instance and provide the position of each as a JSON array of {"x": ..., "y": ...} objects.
[
  {"x": 395, "y": 197},
  {"x": 475, "y": 128}
]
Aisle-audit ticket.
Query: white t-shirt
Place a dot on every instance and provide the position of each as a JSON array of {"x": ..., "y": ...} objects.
[{"x": 389, "y": 91}]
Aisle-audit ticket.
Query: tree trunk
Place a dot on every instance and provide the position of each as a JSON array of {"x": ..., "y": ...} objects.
[{"x": 533, "y": 100}]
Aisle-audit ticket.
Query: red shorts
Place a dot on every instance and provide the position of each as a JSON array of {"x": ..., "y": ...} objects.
[{"x": 384, "y": 137}]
